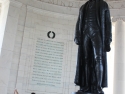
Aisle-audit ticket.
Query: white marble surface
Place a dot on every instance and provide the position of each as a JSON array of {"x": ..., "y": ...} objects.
[
  {"x": 28, "y": 24},
  {"x": 38, "y": 23},
  {"x": 119, "y": 64}
]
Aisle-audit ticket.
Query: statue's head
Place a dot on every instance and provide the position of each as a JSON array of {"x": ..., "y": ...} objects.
[
  {"x": 33, "y": 93},
  {"x": 92, "y": 0}
]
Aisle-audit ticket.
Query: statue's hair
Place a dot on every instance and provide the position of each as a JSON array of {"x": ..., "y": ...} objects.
[{"x": 33, "y": 93}]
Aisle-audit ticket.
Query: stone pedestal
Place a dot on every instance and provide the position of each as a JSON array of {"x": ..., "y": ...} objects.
[{"x": 84, "y": 93}]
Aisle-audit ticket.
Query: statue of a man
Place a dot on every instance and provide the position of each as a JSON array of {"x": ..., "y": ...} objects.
[{"x": 93, "y": 37}]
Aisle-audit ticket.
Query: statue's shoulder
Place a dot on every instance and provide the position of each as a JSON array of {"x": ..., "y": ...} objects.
[
  {"x": 104, "y": 4},
  {"x": 82, "y": 7}
]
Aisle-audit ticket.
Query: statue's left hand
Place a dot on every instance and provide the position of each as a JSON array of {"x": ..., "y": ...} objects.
[
  {"x": 77, "y": 41},
  {"x": 107, "y": 47}
]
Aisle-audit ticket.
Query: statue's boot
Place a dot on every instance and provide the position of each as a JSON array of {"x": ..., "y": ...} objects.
[
  {"x": 99, "y": 75},
  {"x": 87, "y": 77},
  {"x": 84, "y": 89}
]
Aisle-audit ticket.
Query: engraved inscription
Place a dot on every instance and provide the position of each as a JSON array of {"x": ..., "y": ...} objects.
[{"x": 47, "y": 68}]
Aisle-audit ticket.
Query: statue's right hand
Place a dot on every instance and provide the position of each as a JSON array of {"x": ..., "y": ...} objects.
[{"x": 77, "y": 41}]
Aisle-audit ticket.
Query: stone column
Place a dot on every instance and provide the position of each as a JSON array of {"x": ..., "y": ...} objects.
[
  {"x": 9, "y": 28},
  {"x": 119, "y": 61},
  {"x": 4, "y": 7}
]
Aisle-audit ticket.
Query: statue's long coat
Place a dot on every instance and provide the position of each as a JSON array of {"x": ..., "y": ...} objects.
[{"x": 104, "y": 21}]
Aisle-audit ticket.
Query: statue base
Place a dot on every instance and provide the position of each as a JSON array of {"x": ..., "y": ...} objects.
[{"x": 85, "y": 93}]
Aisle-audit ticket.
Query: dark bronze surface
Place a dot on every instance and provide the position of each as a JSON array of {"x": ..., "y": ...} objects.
[
  {"x": 93, "y": 37},
  {"x": 33, "y": 93},
  {"x": 83, "y": 93}
]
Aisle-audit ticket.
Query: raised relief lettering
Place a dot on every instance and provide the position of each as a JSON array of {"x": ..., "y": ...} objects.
[
  {"x": 51, "y": 1},
  {"x": 77, "y": 4},
  {"x": 56, "y": 2},
  {"x": 62, "y": 3},
  {"x": 70, "y": 4}
]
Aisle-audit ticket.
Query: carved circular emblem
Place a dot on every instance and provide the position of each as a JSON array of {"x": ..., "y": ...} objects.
[{"x": 51, "y": 34}]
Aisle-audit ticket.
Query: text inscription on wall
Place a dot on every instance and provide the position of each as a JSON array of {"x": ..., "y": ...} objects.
[{"x": 47, "y": 68}]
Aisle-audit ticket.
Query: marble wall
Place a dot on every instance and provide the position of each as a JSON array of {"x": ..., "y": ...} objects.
[
  {"x": 38, "y": 24},
  {"x": 25, "y": 25}
]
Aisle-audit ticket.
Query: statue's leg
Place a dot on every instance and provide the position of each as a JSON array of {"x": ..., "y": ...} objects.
[
  {"x": 86, "y": 69},
  {"x": 97, "y": 47},
  {"x": 99, "y": 75}
]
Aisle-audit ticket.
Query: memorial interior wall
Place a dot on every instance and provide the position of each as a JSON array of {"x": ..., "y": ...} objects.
[
  {"x": 38, "y": 53},
  {"x": 38, "y": 62}
]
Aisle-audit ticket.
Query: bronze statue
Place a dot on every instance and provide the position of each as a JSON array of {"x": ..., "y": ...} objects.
[
  {"x": 33, "y": 93},
  {"x": 93, "y": 37}
]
